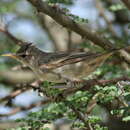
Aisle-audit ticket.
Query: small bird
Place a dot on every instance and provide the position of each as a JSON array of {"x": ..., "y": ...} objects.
[{"x": 59, "y": 66}]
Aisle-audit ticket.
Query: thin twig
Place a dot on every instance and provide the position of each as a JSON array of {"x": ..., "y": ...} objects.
[
  {"x": 101, "y": 9},
  {"x": 80, "y": 116},
  {"x": 69, "y": 40},
  {"x": 14, "y": 94},
  {"x": 127, "y": 3},
  {"x": 4, "y": 29},
  {"x": 19, "y": 109},
  {"x": 88, "y": 84},
  {"x": 51, "y": 35},
  {"x": 60, "y": 17}
]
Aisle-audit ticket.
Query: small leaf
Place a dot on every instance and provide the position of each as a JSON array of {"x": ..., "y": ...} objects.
[
  {"x": 116, "y": 7},
  {"x": 126, "y": 118}
]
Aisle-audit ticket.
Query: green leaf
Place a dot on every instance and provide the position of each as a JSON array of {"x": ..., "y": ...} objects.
[
  {"x": 116, "y": 7},
  {"x": 126, "y": 118}
]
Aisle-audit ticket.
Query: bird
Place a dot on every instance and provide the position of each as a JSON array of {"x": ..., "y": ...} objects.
[{"x": 60, "y": 66}]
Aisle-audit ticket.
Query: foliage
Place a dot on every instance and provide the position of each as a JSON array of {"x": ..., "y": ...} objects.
[
  {"x": 79, "y": 100},
  {"x": 111, "y": 98},
  {"x": 68, "y": 2}
]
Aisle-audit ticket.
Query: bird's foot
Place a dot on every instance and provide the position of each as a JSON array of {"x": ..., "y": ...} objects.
[{"x": 74, "y": 83}]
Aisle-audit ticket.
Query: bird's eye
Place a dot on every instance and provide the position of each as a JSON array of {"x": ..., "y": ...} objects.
[{"x": 23, "y": 55}]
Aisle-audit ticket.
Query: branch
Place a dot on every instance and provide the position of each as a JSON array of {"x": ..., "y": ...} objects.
[
  {"x": 92, "y": 82},
  {"x": 60, "y": 17},
  {"x": 4, "y": 29},
  {"x": 14, "y": 94},
  {"x": 80, "y": 116},
  {"x": 69, "y": 40},
  {"x": 101, "y": 9},
  {"x": 127, "y": 3},
  {"x": 51, "y": 35},
  {"x": 69, "y": 23},
  {"x": 20, "y": 77},
  {"x": 19, "y": 109},
  {"x": 87, "y": 85}
]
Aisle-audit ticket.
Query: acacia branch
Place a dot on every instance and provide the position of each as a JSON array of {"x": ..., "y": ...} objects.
[
  {"x": 14, "y": 94},
  {"x": 92, "y": 82},
  {"x": 60, "y": 17},
  {"x": 87, "y": 85},
  {"x": 101, "y": 10},
  {"x": 19, "y": 109},
  {"x": 51, "y": 35},
  {"x": 4, "y": 29},
  {"x": 81, "y": 117}
]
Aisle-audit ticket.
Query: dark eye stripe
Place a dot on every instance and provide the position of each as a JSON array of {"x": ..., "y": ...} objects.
[{"x": 23, "y": 55}]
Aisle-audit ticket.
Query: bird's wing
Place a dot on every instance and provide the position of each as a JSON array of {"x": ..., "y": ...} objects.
[{"x": 60, "y": 59}]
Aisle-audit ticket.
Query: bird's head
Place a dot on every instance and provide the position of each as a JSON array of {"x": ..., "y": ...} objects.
[
  {"x": 14, "y": 56},
  {"x": 20, "y": 55}
]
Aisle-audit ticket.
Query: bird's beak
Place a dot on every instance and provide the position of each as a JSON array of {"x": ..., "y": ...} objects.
[{"x": 10, "y": 55}]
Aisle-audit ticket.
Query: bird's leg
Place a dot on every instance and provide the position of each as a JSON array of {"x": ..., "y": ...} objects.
[{"x": 75, "y": 83}]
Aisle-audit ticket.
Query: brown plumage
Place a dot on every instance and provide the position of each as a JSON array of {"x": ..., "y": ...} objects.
[{"x": 58, "y": 66}]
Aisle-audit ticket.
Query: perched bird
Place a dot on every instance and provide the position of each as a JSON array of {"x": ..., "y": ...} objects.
[{"x": 58, "y": 66}]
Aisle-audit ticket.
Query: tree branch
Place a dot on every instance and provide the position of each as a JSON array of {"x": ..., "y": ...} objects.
[
  {"x": 59, "y": 16},
  {"x": 19, "y": 109},
  {"x": 101, "y": 9},
  {"x": 86, "y": 86},
  {"x": 4, "y": 29},
  {"x": 52, "y": 36}
]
